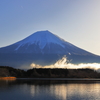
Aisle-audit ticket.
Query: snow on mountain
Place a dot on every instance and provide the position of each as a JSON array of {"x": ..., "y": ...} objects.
[{"x": 41, "y": 38}]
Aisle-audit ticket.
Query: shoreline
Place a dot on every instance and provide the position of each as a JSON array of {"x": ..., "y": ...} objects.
[
  {"x": 72, "y": 79},
  {"x": 8, "y": 78}
]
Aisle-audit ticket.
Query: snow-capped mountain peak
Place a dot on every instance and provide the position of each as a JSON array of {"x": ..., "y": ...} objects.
[
  {"x": 43, "y": 48},
  {"x": 44, "y": 42},
  {"x": 41, "y": 38}
]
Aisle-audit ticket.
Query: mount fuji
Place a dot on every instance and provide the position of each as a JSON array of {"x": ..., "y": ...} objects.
[{"x": 43, "y": 47}]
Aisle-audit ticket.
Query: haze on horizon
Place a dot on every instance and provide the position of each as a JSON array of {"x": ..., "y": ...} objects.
[{"x": 76, "y": 21}]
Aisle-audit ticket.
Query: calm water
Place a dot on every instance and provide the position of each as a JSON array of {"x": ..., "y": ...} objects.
[{"x": 25, "y": 89}]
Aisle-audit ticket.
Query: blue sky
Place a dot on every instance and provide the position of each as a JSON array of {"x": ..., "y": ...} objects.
[{"x": 76, "y": 21}]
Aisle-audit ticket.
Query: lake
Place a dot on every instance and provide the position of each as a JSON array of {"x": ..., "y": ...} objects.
[{"x": 50, "y": 89}]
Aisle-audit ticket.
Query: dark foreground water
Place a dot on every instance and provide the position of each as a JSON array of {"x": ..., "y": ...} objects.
[{"x": 31, "y": 89}]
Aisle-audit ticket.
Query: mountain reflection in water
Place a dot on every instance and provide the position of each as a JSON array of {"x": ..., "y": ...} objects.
[{"x": 27, "y": 89}]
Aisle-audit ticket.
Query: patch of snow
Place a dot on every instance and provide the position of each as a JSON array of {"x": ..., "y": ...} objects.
[{"x": 18, "y": 47}]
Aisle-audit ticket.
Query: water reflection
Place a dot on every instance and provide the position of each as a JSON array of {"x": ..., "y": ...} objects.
[
  {"x": 78, "y": 91},
  {"x": 60, "y": 91},
  {"x": 49, "y": 90}
]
